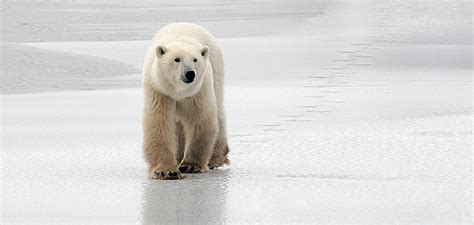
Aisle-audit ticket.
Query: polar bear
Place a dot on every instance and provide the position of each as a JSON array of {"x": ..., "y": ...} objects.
[{"x": 184, "y": 125}]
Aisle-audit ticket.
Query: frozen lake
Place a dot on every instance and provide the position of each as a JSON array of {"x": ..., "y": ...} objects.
[{"x": 338, "y": 112}]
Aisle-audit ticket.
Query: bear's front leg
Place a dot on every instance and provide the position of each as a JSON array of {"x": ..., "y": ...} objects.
[
  {"x": 200, "y": 139},
  {"x": 159, "y": 140}
]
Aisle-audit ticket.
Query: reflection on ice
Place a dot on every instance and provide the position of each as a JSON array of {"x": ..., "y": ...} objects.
[{"x": 199, "y": 199}]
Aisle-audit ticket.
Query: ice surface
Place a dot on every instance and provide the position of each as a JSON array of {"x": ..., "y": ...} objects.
[{"x": 353, "y": 112}]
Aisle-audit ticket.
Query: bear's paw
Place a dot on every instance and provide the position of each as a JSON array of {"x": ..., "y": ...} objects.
[
  {"x": 193, "y": 168},
  {"x": 167, "y": 175}
]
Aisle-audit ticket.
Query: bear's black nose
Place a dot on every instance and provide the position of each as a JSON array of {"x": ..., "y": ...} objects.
[{"x": 189, "y": 77}]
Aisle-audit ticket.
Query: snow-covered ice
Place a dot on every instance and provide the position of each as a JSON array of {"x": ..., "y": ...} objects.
[{"x": 355, "y": 112}]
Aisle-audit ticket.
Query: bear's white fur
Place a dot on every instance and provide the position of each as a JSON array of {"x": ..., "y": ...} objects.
[{"x": 183, "y": 120}]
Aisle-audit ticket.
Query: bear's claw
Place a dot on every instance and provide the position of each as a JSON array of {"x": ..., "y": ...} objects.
[{"x": 167, "y": 175}]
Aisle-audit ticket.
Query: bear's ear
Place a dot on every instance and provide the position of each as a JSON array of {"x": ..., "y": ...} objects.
[
  {"x": 160, "y": 51},
  {"x": 205, "y": 51}
]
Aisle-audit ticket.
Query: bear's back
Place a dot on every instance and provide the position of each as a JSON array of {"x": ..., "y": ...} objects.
[{"x": 187, "y": 32}]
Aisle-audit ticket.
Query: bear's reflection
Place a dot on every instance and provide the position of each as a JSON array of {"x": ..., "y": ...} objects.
[{"x": 197, "y": 199}]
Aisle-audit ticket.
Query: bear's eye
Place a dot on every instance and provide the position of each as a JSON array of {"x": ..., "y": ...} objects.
[
  {"x": 195, "y": 60},
  {"x": 177, "y": 60}
]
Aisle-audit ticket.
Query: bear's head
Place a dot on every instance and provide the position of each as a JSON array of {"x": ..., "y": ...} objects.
[{"x": 180, "y": 68}]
